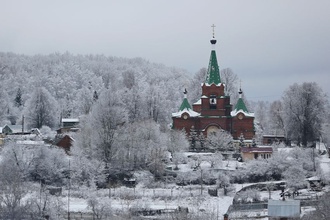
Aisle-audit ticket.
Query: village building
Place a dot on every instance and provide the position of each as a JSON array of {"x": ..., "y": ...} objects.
[
  {"x": 12, "y": 129},
  {"x": 63, "y": 138},
  {"x": 274, "y": 139},
  {"x": 284, "y": 210},
  {"x": 261, "y": 152},
  {"x": 214, "y": 111},
  {"x": 64, "y": 141},
  {"x": 68, "y": 125}
]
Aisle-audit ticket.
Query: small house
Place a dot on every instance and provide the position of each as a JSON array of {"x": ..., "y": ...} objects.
[
  {"x": 283, "y": 210},
  {"x": 250, "y": 153},
  {"x": 64, "y": 142},
  {"x": 273, "y": 139},
  {"x": 12, "y": 129},
  {"x": 70, "y": 122},
  {"x": 68, "y": 125}
]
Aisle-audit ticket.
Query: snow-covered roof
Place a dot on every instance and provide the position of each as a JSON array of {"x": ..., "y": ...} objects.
[
  {"x": 256, "y": 149},
  {"x": 190, "y": 112},
  {"x": 314, "y": 178},
  {"x": 199, "y": 102},
  {"x": 273, "y": 135},
  {"x": 14, "y": 128},
  {"x": 247, "y": 114},
  {"x": 29, "y": 142},
  {"x": 70, "y": 119}
]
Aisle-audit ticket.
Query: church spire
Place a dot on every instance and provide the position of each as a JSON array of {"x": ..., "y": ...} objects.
[{"x": 213, "y": 74}]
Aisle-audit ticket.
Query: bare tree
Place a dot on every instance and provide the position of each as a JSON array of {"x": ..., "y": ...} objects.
[
  {"x": 230, "y": 79},
  {"x": 195, "y": 91},
  {"x": 12, "y": 191},
  {"x": 304, "y": 107},
  {"x": 276, "y": 116}
]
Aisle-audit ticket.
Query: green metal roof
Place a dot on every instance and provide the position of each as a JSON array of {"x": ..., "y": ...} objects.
[
  {"x": 185, "y": 105},
  {"x": 213, "y": 74},
  {"x": 240, "y": 105}
]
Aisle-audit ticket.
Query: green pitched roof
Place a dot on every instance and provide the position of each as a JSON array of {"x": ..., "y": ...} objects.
[
  {"x": 240, "y": 105},
  {"x": 213, "y": 74},
  {"x": 185, "y": 105}
]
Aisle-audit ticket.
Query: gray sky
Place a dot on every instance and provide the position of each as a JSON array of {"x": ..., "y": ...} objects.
[{"x": 268, "y": 44}]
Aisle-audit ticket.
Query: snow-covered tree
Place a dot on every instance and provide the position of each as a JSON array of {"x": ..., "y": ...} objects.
[
  {"x": 41, "y": 109},
  {"x": 295, "y": 177},
  {"x": 219, "y": 140},
  {"x": 13, "y": 190},
  {"x": 106, "y": 117},
  {"x": 304, "y": 108},
  {"x": 4, "y": 106},
  {"x": 85, "y": 102}
]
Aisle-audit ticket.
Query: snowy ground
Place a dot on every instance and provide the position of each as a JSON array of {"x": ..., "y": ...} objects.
[
  {"x": 171, "y": 196},
  {"x": 124, "y": 198}
]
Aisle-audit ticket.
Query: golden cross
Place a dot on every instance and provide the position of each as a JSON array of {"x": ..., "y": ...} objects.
[{"x": 213, "y": 26}]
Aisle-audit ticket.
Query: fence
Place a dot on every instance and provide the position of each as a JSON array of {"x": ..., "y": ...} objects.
[{"x": 182, "y": 192}]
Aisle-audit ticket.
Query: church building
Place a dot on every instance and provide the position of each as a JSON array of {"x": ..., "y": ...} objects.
[{"x": 214, "y": 111}]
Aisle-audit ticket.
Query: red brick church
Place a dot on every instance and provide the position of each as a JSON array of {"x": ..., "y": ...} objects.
[{"x": 213, "y": 110}]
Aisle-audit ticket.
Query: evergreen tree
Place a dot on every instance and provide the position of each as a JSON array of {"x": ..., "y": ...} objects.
[{"x": 18, "y": 98}]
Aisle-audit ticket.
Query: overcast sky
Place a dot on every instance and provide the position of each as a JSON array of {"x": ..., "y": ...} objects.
[{"x": 268, "y": 44}]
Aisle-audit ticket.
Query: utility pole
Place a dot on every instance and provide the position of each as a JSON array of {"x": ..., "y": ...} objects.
[
  {"x": 201, "y": 181},
  {"x": 69, "y": 191}
]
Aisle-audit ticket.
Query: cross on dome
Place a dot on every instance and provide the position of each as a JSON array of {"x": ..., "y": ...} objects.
[{"x": 213, "y": 26}]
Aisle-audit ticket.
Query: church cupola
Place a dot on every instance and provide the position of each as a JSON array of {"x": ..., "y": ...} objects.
[
  {"x": 185, "y": 104},
  {"x": 185, "y": 110},
  {"x": 213, "y": 73},
  {"x": 240, "y": 106}
]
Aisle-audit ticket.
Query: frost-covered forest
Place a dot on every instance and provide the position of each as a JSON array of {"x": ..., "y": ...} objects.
[
  {"x": 147, "y": 90},
  {"x": 124, "y": 107}
]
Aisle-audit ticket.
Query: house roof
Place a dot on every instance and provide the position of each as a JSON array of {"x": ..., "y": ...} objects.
[
  {"x": 70, "y": 119},
  {"x": 280, "y": 208},
  {"x": 14, "y": 128},
  {"x": 272, "y": 136},
  {"x": 256, "y": 149},
  {"x": 29, "y": 142}
]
